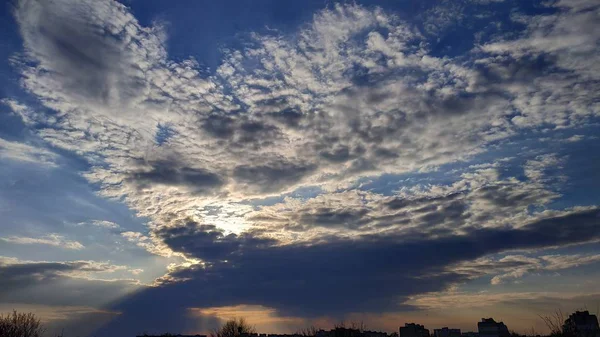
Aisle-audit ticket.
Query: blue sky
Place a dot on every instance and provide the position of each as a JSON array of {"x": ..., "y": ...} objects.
[{"x": 166, "y": 166}]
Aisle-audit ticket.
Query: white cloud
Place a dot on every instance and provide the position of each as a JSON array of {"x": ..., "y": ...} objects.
[
  {"x": 575, "y": 138},
  {"x": 22, "y": 152},
  {"x": 50, "y": 239},
  {"x": 534, "y": 169},
  {"x": 568, "y": 41},
  {"x": 101, "y": 223},
  {"x": 453, "y": 299},
  {"x": 514, "y": 267},
  {"x": 150, "y": 243}
]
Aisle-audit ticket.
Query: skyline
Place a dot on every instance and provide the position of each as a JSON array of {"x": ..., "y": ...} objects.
[{"x": 167, "y": 166}]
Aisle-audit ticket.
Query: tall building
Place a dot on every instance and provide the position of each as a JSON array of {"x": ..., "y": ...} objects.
[
  {"x": 413, "y": 330},
  {"x": 490, "y": 328},
  {"x": 445, "y": 332},
  {"x": 581, "y": 324}
]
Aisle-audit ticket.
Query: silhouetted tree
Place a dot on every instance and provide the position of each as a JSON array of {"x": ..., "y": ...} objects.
[
  {"x": 233, "y": 328},
  {"x": 311, "y": 331},
  {"x": 19, "y": 324},
  {"x": 354, "y": 329},
  {"x": 354, "y": 325},
  {"x": 530, "y": 332},
  {"x": 554, "y": 322}
]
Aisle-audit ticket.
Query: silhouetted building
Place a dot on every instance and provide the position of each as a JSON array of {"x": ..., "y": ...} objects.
[
  {"x": 581, "y": 324},
  {"x": 413, "y": 330},
  {"x": 490, "y": 328},
  {"x": 144, "y": 335},
  {"x": 374, "y": 334},
  {"x": 445, "y": 332},
  {"x": 345, "y": 332},
  {"x": 470, "y": 334},
  {"x": 253, "y": 334}
]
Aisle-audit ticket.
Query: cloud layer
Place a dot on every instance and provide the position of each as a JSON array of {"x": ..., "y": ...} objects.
[{"x": 253, "y": 175}]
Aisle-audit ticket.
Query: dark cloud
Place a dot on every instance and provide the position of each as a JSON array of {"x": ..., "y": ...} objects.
[
  {"x": 14, "y": 276},
  {"x": 396, "y": 203},
  {"x": 240, "y": 133},
  {"x": 171, "y": 173},
  {"x": 207, "y": 242},
  {"x": 339, "y": 154},
  {"x": 59, "y": 283},
  {"x": 508, "y": 195},
  {"x": 219, "y": 126},
  {"x": 333, "y": 150},
  {"x": 373, "y": 274},
  {"x": 273, "y": 175},
  {"x": 508, "y": 70},
  {"x": 453, "y": 213},
  {"x": 88, "y": 60},
  {"x": 288, "y": 116},
  {"x": 333, "y": 217}
]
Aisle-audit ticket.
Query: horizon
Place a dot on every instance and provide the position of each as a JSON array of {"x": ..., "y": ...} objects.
[
  {"x": 362, "y": 327},
  {"x": 166, "y": 166}
]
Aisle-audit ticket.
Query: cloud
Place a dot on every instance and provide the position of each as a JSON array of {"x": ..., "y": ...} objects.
[
  {"x": 513, "y": 267},
  {"x": 543, "y": 300},
  {"x": 355, "y": 93},
  {"x": 264, "y": 319},
  {"x": 358, "y": 92},
  {"x": 260, "y": 129},
  {"x": 480, "y": 198},
  {"x": 559, "y": 50},
  {"x": 290, "y": 277},
  {"x": 575, "y": 138},
  {"x": 61, "y": 283},
  {"x": 81, "y": 51},
  {"x": 149, "y": 243},
  {"x": 21, "y": 152},
  {"x": 207, "y": 242},
  {"x": 271, "y": 176},
  {"x": 49, "y": 314},
  {"x": 72, "y": 266},
  {"x": 104, "y": 224},
  {"x": 50, "y": 239},
  {"x": 167, "y": 173}
]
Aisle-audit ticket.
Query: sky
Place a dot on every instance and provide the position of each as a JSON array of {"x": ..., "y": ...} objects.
[{"x": 167, "y": 165}]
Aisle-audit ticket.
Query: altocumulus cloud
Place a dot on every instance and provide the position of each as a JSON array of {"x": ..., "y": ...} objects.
[{"x": 356, "y": 92}]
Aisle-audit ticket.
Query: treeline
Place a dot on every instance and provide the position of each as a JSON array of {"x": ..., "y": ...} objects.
[{"x": 17, "y": 324}]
